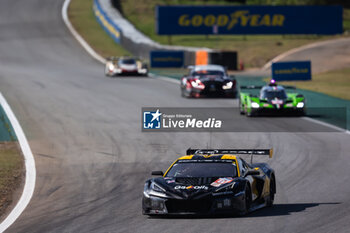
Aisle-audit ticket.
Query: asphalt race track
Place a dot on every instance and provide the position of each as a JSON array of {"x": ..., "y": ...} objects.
[{"x": 92, "y": 159}]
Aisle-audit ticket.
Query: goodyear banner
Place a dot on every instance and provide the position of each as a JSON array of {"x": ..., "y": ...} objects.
[
  {"x": 290, "y": 71},
  {"x": 182, "y": 20},
  {"x": 167, "y": 59}
]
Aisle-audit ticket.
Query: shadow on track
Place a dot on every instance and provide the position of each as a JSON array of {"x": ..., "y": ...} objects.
[
  {"x": 275, "y": 210},
  {"x": 286, "y": 209},
  {"x": 129, "y": 76}
]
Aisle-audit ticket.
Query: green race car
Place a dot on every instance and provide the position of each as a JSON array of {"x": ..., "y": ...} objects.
[{"x": 273, "y": 99}]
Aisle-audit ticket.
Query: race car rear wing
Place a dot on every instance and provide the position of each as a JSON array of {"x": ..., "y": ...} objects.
[
  {"x": 259, "y": 87},
  {"x": 250, "y": 87},
  {"x": 268, "y": 152}
]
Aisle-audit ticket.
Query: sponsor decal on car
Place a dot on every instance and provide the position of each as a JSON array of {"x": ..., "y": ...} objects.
[
  {"x": 169, "y": 181},
  {"x": 182, "y": 187},
  {"x": 277, "y": 101},
  {"x": 222, "y": 181}
]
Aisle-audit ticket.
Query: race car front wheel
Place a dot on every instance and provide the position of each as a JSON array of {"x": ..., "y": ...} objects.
[{"x": 247, "y": 199}]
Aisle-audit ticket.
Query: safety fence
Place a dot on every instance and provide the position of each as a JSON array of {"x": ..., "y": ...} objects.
[{"x": 6, "y": 131}]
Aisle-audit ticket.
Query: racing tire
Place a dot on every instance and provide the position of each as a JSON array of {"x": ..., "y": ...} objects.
[
  {"x": 252, "y": 113},
  {"x": 186, "y": 95},
  {"x": 183, "y": 94},
  {"x": 107, "y": 74},
  {"x": 241, "y": 109},
  {"x": 301, "y": 113},
  {"x": 247, "y": 199},
  {"x": 271, "y": 197}
]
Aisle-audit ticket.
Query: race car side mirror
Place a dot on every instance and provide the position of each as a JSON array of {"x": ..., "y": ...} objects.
[
  {"x": 252, "y": 173},
  {"x": 157, "y": 173}
]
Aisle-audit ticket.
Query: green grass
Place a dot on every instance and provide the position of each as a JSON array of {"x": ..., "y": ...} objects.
[
  {"x": 83, "y": 19},
  {"x": 334, "y": 83},
  {"x": 11, "y": 172},
  {"x": 254, "y": 51}
]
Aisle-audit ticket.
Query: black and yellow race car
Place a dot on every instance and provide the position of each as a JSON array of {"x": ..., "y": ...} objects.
[{"x": 211, "y": 181}]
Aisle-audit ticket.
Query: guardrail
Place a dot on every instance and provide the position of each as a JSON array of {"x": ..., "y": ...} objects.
[
  {"x": 131, "y": 39},
  {"x": 124, "y": 33},
  {"x": 6, "y": 131},
  {"x": 106, "y": 22}
]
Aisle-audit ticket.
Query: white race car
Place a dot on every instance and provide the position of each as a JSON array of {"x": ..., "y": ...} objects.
[{"x": 125, "y": 66}]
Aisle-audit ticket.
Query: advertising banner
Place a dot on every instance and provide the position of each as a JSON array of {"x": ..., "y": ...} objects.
[
  {"x": 244, "y": 20},
  {"x": 291, "y": 71},
  {"x": 167, "y": 59}
]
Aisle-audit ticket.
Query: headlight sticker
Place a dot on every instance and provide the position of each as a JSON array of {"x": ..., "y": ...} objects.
[{"x": 221, "y": 181}]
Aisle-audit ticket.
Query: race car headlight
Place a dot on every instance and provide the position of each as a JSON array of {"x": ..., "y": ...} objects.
[
  {"x": 156, "y": 190},
  {"x": 225, "y": 189},
  {"x": 110, "y": 66},
  {"x": 142, "y": 71},
  {"x": 300, "y": 105},
  {"x": 156, "y": 187},
  {"x": 255, "y": 105},
  {"x": 228, "y": 85},
  {"x": 197, "y": 84}
]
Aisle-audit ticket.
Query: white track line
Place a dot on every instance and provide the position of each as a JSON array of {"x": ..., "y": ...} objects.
[
  {"x": 29, "y": 184},
  {"x": 165, "y": 78},
  {"x": 76, "y": 35},
  {"x": 87, "y": 47},
  {"x": 341, "y": 130}
]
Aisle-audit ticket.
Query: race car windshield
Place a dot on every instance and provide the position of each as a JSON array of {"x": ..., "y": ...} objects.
[
  {"x": 274, "y": 94},
  {"x": 203, "y": 169},
  {"x": 128, "y": 62},
  {"x": 208, "y": 72}
]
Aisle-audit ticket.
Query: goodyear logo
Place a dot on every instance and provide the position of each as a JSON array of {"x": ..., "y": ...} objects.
[
  {"x": 205, "y": 20},
  {"x": 242, "y": 18},
  {"x": 293, "y": 70},
  {"x": 167, "y": 58},
  {"x": 290, "y": 71}
]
